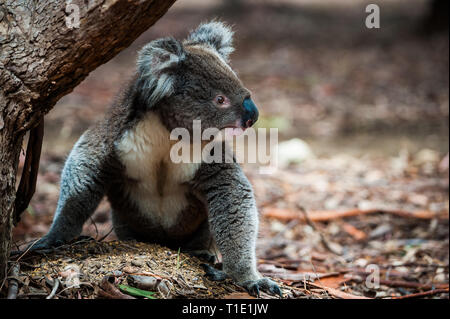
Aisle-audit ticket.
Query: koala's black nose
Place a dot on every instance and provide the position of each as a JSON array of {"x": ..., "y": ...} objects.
[{"x": 251, "y": 113}]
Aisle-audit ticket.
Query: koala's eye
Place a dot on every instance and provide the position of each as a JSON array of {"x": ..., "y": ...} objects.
[{"x": 222, "y": 101}]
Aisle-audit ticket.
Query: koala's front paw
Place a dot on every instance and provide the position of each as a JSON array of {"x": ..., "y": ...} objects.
[
  {"x": 45, "y": 243},
  {"x": 265, "y": 284}
]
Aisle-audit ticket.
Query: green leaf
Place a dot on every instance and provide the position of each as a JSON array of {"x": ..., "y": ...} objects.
[{"x": 137, "y": 292}]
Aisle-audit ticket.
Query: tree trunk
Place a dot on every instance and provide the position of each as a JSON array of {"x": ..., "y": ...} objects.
[{"x": 44, "y": 54}]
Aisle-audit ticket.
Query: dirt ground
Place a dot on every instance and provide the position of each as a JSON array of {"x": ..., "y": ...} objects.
[{"x": 362, "y": 213}]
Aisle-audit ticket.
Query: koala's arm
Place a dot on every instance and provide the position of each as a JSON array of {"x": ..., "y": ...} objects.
[
  {"x": 82, "y": 187},
  {"x": 233, "y": 220}
]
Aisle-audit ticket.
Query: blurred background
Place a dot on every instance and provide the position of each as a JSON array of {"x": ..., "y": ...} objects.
[
  {"x": 314, "y": 68},
  {"x": 363, "y": 119}
]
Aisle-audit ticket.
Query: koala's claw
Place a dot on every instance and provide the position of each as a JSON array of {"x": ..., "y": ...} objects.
[
  {"x": 265, "y": 284},
  {"x": 213, "y": 274}
]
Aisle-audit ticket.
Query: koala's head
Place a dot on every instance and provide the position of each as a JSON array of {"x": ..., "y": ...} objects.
[{"x": 191, "y": 80}]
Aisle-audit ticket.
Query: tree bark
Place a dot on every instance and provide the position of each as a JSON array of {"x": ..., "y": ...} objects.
[{"x": 44, "y": 54}]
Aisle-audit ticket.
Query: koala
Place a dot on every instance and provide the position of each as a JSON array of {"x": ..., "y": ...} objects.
[{"x": 125, "y": 157}]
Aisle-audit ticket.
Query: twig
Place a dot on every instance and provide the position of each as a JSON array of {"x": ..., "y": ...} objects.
[
  {"x": 423, "y": 294},
  {"x": 321, "y": 216},
  {"x": 54, "y": 289},
  {"x": 48, "y": 250},
  {"x": 285, "y": 265},
  {"x": 392, "y": 283},
  {"x": 416, "y": 285},
  {"x": 107, "y": 234},
  {"x": 13, "y": 253},
  {"x": 27, "y": 250},
  {"x": 27, "y": 185},
  {"x": 95, "y": 226},
  {"x": 13, "y": 282},
  {"x": 353, "y": 231},
  {"x": 82, "y": 283},
  {"x": 148, "y": 273},
  {"x": 322, "y": 236},
  {"x": 338, "y": 293},
  {"x": 318, "y": 277},
  {"x": 5, "y": 276}
]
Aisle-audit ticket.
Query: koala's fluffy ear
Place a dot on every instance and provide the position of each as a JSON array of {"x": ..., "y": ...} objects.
[
  {"x": 215, "y": 34},
  {"x": 156, "y": 64}
]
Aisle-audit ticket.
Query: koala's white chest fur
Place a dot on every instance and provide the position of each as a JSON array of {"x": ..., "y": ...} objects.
[{"x": 159, "y": 191}]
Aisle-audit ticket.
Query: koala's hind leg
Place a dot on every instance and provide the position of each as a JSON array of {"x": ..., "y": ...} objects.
[
  {"x": 213, "y": 273},
  {"x": 202, "y": 244},
  {"x": 121, "y": 229}
]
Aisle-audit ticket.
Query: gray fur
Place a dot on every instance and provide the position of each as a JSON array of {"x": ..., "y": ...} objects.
[
  {"x": 192, "y": 206},
  {"x": 233, "y": 217},
  {"x": 156, "y": 62},
  {"x": 215, "y": 34},
  {"x": 83, "y": 185}
]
